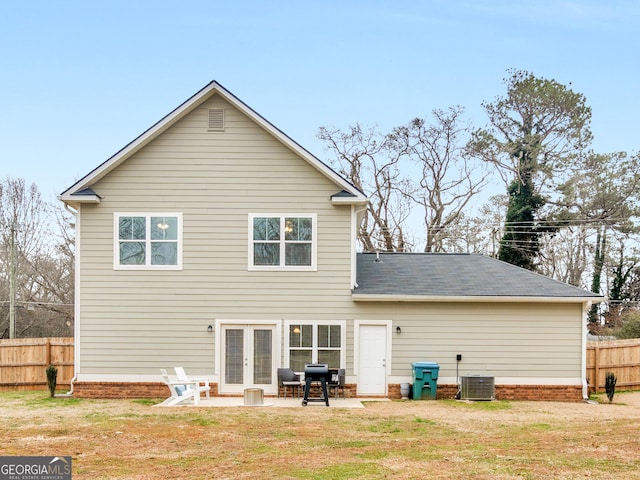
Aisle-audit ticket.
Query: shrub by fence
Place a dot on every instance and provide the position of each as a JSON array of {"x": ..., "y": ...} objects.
[
  {"x": 23, "y": 362},
  {"x": 621, "y": 357}
]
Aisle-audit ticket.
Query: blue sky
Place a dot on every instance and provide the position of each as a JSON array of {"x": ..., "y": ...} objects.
[{"x": 80, "y": 79}]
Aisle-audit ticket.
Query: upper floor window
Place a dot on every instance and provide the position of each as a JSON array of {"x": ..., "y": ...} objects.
[
  {"x": 283, "y": 242},
  {"x": 148, "y": 241}
]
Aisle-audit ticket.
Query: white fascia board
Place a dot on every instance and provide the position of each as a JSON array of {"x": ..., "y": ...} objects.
[
  {"x": 77, "y": 199},
  {"x": 360, "y": 200},
  {"x": 476, "y": 299}
]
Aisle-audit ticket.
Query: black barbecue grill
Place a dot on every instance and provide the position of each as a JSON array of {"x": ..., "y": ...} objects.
[{"x": 316, "y": 372}]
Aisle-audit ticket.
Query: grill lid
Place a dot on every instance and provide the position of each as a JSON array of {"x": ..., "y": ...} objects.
[{"x": 316, "y": 371}]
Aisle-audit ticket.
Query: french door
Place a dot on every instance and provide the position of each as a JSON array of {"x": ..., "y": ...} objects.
[{"x": 247, "y": 358}]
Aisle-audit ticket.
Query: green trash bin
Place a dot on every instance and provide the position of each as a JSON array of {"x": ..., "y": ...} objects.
[{"x": 425, "y": 380}]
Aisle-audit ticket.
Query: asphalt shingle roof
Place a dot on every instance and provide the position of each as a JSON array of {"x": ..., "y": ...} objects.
[{"x": 454, "y": 275}]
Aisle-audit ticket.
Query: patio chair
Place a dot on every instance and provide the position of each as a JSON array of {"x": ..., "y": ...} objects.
[
  {"x": 288, "y": 378},
  {"x": 337, "y": 381},
  {"x": 179, "y": 391},
  {"x": 182, "y": 376}
]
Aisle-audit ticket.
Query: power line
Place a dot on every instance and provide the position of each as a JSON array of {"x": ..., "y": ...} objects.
[
  {"x": 541, "y": 222},
  {"x": 4, "y": 302},
  {"x": 570, "y": 221}
]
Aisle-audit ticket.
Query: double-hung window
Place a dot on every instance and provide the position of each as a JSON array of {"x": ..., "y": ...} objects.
[
  {"x": 282, "y": 242},
  {"x": 315, "y": 342},
  {"x": 148, "y": 241}
]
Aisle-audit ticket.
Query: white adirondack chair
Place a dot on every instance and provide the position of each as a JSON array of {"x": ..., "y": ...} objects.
[
  {"x": 181, "y": 391},
  {"x": 196, "y": 382}
]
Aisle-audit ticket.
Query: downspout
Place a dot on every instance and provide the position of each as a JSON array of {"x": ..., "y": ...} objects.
[
  {"x": 586, "y": 307},
  {"x": 76, "y": 313},
  {"x": 355, "y": 212}
]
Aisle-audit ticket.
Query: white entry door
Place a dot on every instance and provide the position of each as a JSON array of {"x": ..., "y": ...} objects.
[
  {"x": 372, "y": 361},
  {"x": 247, "y": 359}
]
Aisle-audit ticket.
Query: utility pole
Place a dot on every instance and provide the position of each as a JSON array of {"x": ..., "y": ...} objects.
[
  {"x": 494, "y": 232},
  {"x": 12, "y": 283}
]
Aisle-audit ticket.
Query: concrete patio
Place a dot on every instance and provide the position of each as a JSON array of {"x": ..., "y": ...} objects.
[{"x": 282, "y": 402}]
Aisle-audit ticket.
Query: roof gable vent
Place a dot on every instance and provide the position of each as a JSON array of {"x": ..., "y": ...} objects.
[{"x": 216, "y": 119}]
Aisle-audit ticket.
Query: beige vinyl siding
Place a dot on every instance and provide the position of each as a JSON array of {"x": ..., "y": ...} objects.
[
  {"x": 499, "y": 339},
  {"x": 134, "y": 322}
]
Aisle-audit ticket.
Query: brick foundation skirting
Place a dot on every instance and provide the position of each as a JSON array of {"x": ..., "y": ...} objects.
[
  {"x": 118, "y": 390},
  {"x": 125, "y": 390},
  {"x": 551, "y": 393}
]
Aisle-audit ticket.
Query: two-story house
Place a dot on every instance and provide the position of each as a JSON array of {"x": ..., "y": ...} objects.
[{"x": 215, "y": 242}]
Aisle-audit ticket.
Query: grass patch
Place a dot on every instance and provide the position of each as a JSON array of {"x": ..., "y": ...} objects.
[
  {"x": 385, "y": 426},
  {"x": 97, "y": 417},
  {"x": 204, "y": 421},
  {"x": 50, "y": 402},
  {"x": 341, "y": 471},
  {"x": 147, "y": 401},
  {"x": 492, "y": 405},
  {"x": 540, "y": 426},
  {"x": 425, "y": 421},
  {"x": 337, "y": 443}
]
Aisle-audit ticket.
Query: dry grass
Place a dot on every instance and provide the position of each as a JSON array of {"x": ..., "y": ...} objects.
[{"x": 399, "y": 440}]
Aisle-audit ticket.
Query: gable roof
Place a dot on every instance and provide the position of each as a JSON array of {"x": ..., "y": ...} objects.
[
  {"x": 78, "y": 192},
  {"x": 460, "y": 277}
]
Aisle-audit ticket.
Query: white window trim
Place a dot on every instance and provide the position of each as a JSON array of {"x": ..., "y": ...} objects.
[
  {"x": 315, "y": 348},
  {"x": 147, "y": 215},
  {"x": 293, "y": 268}
]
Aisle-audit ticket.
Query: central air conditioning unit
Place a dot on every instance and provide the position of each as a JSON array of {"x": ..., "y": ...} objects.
[{"x": 475, "y": 387}]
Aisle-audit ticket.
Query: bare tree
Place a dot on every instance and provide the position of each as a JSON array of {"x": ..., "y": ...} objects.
[
  {"x": 478, "y": 233},
  {"x": 36, "y": 289},
  {"x": 448, "y": 179},
  {"x": 384, "y": 168},
  {"x": 565, "y": 255},
  {"x": 50, "y": 285},
  {"x": 624, "y": 261},
  {"x": 467, "y": 235},
  {"x": 605, "y": 192},
  {"x": 363, "y": 157}
]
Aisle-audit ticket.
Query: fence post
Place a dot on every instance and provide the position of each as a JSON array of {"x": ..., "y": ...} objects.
[
  {"x": 596, "y": 366},
  {"x": 47, "y": 352}
]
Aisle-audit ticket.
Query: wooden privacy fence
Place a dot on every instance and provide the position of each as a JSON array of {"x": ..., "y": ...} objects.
[
  {"x": 23, "y": 362},
  {"x": 622, "y": 357}
]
